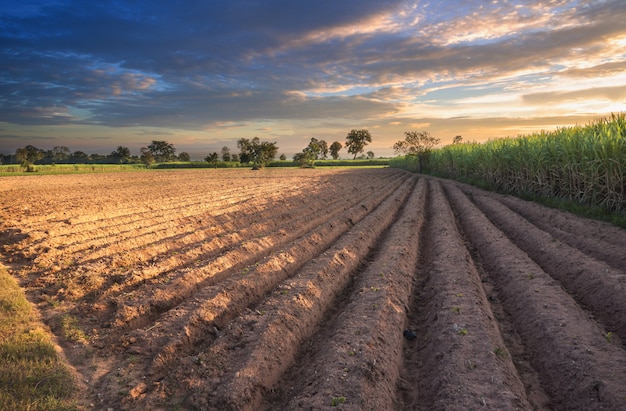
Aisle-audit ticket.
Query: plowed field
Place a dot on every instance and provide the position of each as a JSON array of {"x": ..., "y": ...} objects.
[{"x": 362, "y": 289}]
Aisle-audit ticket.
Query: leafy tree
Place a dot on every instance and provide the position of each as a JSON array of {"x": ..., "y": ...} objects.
[
  {"x": 257, "y": 152},
  {"x": 457, "y": 140},
  {"x": 226, "y": 154},
  {"x": 323, "y": 149},
  {"x": 79, "y": 157},
  {"x": 370, "y": 155},
  {"x": 334, "y": 150},
  {"x": 282, "y": 157},
  {"x": 184, "y": 156},
  {"x": 356, "y": 140},
  {"x": 146, "y": 156},
  {"x": 121, "y": 154},
  {"x": 212, "y": 159},
  {"x": 311, "y": 153},
  {"x": 418, "y": 144},
  {"x": 234, "y": 158},
  {"x": 28, "y": 155},
  {"x": 162, "y": 151},
  {"x": 58, "y": 154},
  {"x": 302, "y": 159}
]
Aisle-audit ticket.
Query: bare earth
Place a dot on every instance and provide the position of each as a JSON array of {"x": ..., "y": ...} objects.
[{"x": 297, "y": 289}]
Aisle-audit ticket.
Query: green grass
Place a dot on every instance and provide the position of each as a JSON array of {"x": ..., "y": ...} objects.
[
  {"x": 49, "y": 169},
  {"x": 32, "y": 376}
]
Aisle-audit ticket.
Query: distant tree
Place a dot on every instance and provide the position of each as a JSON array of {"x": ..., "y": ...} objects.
[
  {"x": 184, "y": 157},
  {"x": 97, "y": 158},
  {"x": 147, "y": 157},
  {"x": 257, "y": 152},
  {"x": 282, "y": 157},
  {"x": 418, "y": 144},
  {"x": 121, "y": 154},
  {"x": 311, "y": 153},
  {"x": 212, "y": 159},
  {"x": 356, "y": 140},
  {"x": 162, "y": 151},
  {"x": 79, "y": 157},
  {"x": 58, "y": 154},
  {"x": 457, "y": 140},
  {"x": 234, "y": 158},
  {"x": 334, "y": 150},
  {"x": 28, "y": 155},
  {"x": 301, "y": 159},
  {"x": 226, "y": 154},
  {"x": 323, "y": 149},
  {"x": 370, "y": 155}
]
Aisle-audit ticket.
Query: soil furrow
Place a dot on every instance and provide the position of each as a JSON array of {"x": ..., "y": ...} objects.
[
  {"x": 456, "y": 336},
  {"x": 162, "y": 299},
  {"x": 222, "y": 302},
  {"x": 258, "y": 364},
  {"x": 594, "y": 284},
  {"x": 355, "y": 353},
  {"x": 598, "y": 239},
  {"x": 293, "y": 289},
  {"x": 577, "y": 366}
]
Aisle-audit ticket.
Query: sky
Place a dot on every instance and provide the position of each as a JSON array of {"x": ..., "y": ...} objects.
[{"x": 94, "y": 75}]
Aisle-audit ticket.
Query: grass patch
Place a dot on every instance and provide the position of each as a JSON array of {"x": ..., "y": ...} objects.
[
  {"x": 50, "y": 169},
  {"x": 32, "y": 376}
]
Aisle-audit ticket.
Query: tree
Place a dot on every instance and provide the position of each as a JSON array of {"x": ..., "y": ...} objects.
[
  {"x": 226, "y": 154},
  {"x": 58, "y": 154},
  {"x": 79, "y": 157},
  {"x": 418, "y": 144},
  {"x": 301, "y": 158},
  {"x": 457, "y": 140},
  {"x": 184, "y": 156},
  {"x": 28, "y": 155},
  {"x": 370, "y": 155},
  {"x": 282, "y": 157},
  {"x": 162, "y": 151},
  {"x": 257, "y": 152},
  {"x": 212, "y": 159},
  {"x": 356, "y": 140},
  {"x": 121, "y": 154},
  {"x": 146, "y": 156},
  {"x": 334, "y": 150}
]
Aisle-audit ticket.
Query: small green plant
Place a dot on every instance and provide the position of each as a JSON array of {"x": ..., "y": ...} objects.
[
  {"x": 352, "y": 353},
  {"x": 456, "y": 310},
  {"x": 70, "y": 328},
  {"x": 499, "y": 352},
  {"x": 337, "y": 401},
  {"x": 459, "y": 329},
  {"x": 609, "y": 336},
  {"x": 531, "y": 276},
  {"x": 374, "y": 289}
]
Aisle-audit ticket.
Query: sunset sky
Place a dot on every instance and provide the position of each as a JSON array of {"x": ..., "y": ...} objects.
[{"x": 93, "y": 75}]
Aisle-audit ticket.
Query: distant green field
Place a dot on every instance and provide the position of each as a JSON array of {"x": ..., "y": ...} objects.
[{"x": 16, "y": 169}]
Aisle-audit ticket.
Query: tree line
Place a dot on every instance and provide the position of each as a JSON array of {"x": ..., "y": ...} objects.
[{"x": 252, "y": 151}]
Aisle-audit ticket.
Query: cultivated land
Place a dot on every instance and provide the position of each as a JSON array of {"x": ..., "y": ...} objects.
[{"x": 292, "y": 289}]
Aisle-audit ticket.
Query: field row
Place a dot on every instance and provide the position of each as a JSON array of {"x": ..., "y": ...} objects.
[{"x": 291, "y": 289}]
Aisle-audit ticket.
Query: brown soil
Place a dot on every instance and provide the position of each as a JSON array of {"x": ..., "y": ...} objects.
[{"x": 297, "y": 289}]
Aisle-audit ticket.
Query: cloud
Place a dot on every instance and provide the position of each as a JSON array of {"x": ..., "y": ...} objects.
[{"x": 234, "y": 66}]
